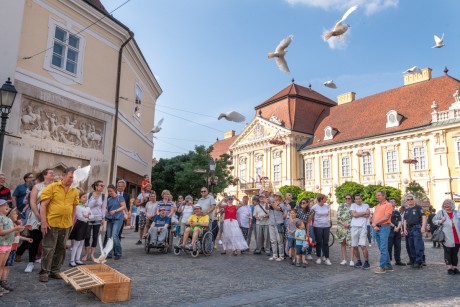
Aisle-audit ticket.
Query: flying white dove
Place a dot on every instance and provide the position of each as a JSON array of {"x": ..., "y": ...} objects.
[
  {"x": 330, "y": 84},
  {"x": 340, "y": 27},
  {"x": 438, "y": 41},
  {"x": 104, "y": 251},
  {"x": 413, "y": 70},
  {"x": 279, "y": 53},
  {"x": 80, "y": 175},
  {"x": 157, "y": 128},
  {"x": 232, "y": 116}
]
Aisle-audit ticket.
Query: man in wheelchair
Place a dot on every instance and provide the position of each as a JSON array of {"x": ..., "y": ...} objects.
[
  {"x": 159, "y": 229},
  {"x": 196, "y": 224}
]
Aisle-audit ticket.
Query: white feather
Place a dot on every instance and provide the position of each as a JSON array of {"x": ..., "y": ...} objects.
[{"x": 80, "y": 175}]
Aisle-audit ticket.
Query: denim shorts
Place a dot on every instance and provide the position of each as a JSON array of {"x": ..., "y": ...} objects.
[
  {"x": 299, "y": 250},
  {"x": 291, "y": 242},
  {"x": 10, "y": 260}
]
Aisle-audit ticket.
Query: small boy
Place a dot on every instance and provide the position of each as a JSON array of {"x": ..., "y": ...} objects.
[{"x": 300, "y": 234}]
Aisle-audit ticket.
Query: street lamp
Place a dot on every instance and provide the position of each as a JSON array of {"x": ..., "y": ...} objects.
[
  {"x": 7, "y": 94},
  {"x": 212, "y": 170}
]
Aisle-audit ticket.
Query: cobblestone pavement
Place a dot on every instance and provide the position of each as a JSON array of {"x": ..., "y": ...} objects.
[{"x": 252, "y": 280}]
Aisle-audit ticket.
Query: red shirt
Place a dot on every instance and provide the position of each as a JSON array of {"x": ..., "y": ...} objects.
[
  {"x": 230, "y": 212},
  {"x": 451, "y": 215}
]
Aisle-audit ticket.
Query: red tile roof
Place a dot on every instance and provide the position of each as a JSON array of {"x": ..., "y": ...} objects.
[
  {"x": 366, "y": 117},
  {"x": 222, "y": 147},
  {"x": 297, "y": 106}
]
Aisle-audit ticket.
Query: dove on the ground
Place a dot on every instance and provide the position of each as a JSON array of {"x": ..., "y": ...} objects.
[
  {"x": 330, "y": 84},
  {"x": 340, "y": 27},
  {"x": 413, "y": 70},
  {"x": 232, "y": 116},
  {"x": 80, "y": 175},
  {"x": 104, "y": 251},
  {"x": 439, "y": 41},
  {"x": 279, "y": 53},
  {"x": 157, "y": 128}
]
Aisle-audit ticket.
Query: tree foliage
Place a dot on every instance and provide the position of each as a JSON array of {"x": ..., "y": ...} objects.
[
  {"x": 417, "y": 190},
  {"x": 349, "y": 187},
  {"x": 369, "y": 194},
  {"x": 178, "y": 174},
  {"x": 293, "y": 189},
  {"x": 306, "y": 194}
]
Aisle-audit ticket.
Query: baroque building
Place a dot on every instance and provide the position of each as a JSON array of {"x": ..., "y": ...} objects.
[
  {"x": 86, "y": 94},
  {"x": 407, "y": 133}
]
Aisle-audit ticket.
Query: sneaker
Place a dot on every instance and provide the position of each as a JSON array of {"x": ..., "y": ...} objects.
[
  {"x": 220, "y": 242},
  {"x": 117, "y": 257},
  {"x": 380, "y": 270},
  {"x": 280, "y": 259},
  {"x": 389, "y": 269},
  {"x": 304, "y": 265},
  {"x": 78, "y": 262},
  {"x": 323, "y": 258},
  {"x": 309, "y": 257},
  {"x": 352, "y": 263},
  {"x": 17, "y": 258},
  {"x": 273, "y": 258},
  {"x": 366, "y": 265},
  {"x": 56, "y": 276},
  {"x": 456, "y": 271},
  {"x": 400, "y": 263},
  {"x": 5, "y": 285},
  {"x": 450, "y": 272},
  {"x": 38, "y": 260},
  {"x": 72, "y": 264},
  {"x": 328, "y": 262},
  {"x": 417, "y": 266},
  {"x": 43, "y": 277},
  {"x": 256, "y": 252},
  {"x": 298, "y": 265},
  {"x": 29, "y": 268},
  {"x": 318, "y": 261},
  {"x": 410, "y": 263},
  {"x": 3, "y": 290},
  {"x": 358, "y": 264},
  {"x": 293, "y": 261},
  {"x": 343, "y": 262},
  {"x": 370, "y": 245},
  {"x": 139, "y": 242}
]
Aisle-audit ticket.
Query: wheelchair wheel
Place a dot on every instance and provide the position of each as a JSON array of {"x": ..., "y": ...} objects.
[
  {"x": 207, "y": 244},
  {"x": 147, "y": 245},
  {"x": 176, "y": 251},
  {"x": 170, "y": 243},
  {"x": 195, "y": 253},
  {"x": 331, "y": 239}
]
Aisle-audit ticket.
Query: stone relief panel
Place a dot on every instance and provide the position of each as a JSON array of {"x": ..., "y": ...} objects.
[{"x": 47, "y": 122}]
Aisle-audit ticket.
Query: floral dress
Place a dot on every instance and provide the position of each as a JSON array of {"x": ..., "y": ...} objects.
[{"x": 343, "y": 217}]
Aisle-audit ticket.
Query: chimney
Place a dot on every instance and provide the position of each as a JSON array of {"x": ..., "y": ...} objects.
[
  {"x": 229, "y": 134},
  {"x": 415, "y": 78},
  {"x": 346, "y": 98}
]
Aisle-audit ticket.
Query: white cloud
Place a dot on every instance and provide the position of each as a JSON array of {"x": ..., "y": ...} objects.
[{"x": 370, "y": 6}]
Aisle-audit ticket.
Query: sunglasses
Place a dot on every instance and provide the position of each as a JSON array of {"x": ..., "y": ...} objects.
[
  {"x": 348, "y": 198},
  {"x": 203, "y": 191},
  {"x": 410, "y": 199}
]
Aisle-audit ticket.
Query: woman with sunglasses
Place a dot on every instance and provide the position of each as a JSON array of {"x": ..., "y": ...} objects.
[
  {"x": 303, "y": 213},
  {"x": 114, "y": 216},
  {"x": 343, "y": 229}
]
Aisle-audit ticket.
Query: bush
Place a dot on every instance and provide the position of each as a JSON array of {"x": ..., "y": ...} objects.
[
  {"x": 306, "y": 194},
  {"x": 348, "y": 187},
  {"x": 293, "y": 189},
  {"x": 369, "y": 194}
]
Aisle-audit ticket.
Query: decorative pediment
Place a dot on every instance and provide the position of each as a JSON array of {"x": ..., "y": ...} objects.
[{"x": 276, "y": 120}]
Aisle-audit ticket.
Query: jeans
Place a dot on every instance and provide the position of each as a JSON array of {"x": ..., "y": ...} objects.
[
  {"x": 416, "y": 245},
  {"x": 262, "y": 235},
  {"x": 276, "y": 240},
  {"x": 54, "y": 250},
  {"x": 394, "y": 239},
  {"x": 156, "y": 237},
  {"x": 113, "y": 231},
  {"x": 382, "y": 241},
  {"x": 214, "y": 229},
  {"x": 322, "y": 241},
  {"x": 313, "y": 239},
  {"x": 370, "y": 232}
]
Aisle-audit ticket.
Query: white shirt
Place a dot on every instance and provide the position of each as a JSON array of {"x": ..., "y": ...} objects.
[
  {"x": 244, "y": 215},
  {"x": 151, "y": 208},
  {"x": 321, "y": 218},
  {"x": 141, "y": 197},
  {"x": 186, "y": 213},
  {"x": 359, "y": 221}
]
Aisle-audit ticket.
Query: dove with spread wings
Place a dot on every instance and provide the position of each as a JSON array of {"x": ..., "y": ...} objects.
[
  {"x": 157, "y": 128},
  {"x": 439, "y": 41},
  {"x": 80, "y": 175},
  {"x": 232, "y": 116},
  {"x": 104, "y": 251},
  {"x": 340, "y": 27},
  {"x": 280, "y": 52}
]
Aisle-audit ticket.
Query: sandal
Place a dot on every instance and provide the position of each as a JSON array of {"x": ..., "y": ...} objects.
[
  {"x": 84, "y": 258},
  {"x": 223, "y": 253},
  {"x": 235, "y": 253}
]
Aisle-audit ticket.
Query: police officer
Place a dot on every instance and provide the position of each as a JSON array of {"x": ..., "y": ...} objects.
[
  {"x": 394, "y": 240},
  {"x": 414, "y": 227}
]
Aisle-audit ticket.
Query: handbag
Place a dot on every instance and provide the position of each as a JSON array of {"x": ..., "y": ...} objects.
[{"x": 438, "y": 234}]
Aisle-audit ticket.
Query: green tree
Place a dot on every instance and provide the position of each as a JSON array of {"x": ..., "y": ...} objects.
[
  {"x": 306, "y": 194},
  {"x": 417, "y": 190},
  {"x": 348, "y": 187},
  {"x": 293, "y": 189},
  {"x": 369, "y": 194}
]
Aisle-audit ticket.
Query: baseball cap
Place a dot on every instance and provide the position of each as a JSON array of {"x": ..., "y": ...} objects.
[
  {"x": 256, "y": 198},
  {"x": 197, "y": 206},
  {"x": 2, "y": 202},
  {"x": 279, "y": 194}
]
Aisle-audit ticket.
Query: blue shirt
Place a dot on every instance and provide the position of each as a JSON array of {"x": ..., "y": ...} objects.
[
  {"x": 300, "y": 233},
  {"x": 20, "y": 193},
  {"x": 113, "y": 203},
  {"x": 161, "y": 221},
  {"x": 133, "y": 209}
]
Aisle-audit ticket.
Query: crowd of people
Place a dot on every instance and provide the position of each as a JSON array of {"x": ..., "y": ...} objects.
[{"x": 43, "y": 213}]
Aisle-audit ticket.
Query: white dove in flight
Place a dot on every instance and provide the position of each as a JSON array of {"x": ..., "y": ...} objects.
[
  {"x": 80, "y": 175},
  {"x": 279, "y": 53},
  {"x": 340, "y": 27},
  {"x": 413, "y": 70},
  {"x": 157, "y": 128},
  {"x": 438, "y": 41},
  {"x": 232, "y": 116},
  {"x": 104, "y": 251},
  {"x": 330, "y": 84}
]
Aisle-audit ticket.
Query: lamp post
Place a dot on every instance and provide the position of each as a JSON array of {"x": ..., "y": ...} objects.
[
  {"x": 212, "y": 170},
  {"x": 7, "y": 95}
]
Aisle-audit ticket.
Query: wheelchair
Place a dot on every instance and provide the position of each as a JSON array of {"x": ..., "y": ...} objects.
[
  {"x": 203, "y": 245},
  {"x": 164, "y": 247}
]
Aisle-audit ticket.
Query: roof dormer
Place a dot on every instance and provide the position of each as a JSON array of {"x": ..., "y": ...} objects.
[
  {"x": 329, "y": 133},
  {"x": 393, "y": 119}
]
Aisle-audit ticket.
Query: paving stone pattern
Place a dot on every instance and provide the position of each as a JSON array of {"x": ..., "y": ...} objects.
[{"x": 248, "y": 280}]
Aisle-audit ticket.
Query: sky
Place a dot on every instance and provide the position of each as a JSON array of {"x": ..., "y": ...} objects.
[{"x": 210, "y": 56}]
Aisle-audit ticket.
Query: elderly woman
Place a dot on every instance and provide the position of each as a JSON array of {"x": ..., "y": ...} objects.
[{"x": 449, "y": 222}]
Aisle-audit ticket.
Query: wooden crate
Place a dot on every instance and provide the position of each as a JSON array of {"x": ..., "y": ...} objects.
[{"x": 106, "y": 283}]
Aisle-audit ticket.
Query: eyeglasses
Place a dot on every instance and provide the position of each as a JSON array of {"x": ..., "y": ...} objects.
[
  {"x": 101, "y": 185},
  {"x": 347, "y": 198},
  {"x": 409, "y": 199},
  {"x": 303, "y": 202},
  {"x": 203, "y": 191}
]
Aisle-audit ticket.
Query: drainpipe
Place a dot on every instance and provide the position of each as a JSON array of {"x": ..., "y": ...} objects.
[{"x": 117, "y": 104}]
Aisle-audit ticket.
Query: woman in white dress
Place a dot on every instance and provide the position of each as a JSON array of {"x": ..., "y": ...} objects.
[{"x": 232, "y": 237}]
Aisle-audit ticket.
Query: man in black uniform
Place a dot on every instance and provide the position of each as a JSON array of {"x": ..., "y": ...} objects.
[
  {"x": 395, "y": 235},
  {"x": 414, "y": 227}
]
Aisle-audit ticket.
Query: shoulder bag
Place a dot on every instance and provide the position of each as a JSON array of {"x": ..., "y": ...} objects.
[{"x": 438, "y": 234}]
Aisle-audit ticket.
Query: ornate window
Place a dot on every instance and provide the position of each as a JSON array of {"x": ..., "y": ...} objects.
[
  {"x": 393, "y": 119},
  {"x": 329, "y": 133},
  {"x": 258, "y": 166},
  {"x": 392, "y": 161},
  {"x": 367, "y": 165},
  {"x": 138, "y": 102},
  {"x": 326, "y": 169},
  {"x": 346, "y": 167},
  {"x": 420, "y": 156},
  {"x": 242, "y": 169},
  {"x": 277, "y": 166},
  {"x": 309, "y": 171}
]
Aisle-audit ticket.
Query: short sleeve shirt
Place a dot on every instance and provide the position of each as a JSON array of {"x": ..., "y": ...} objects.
[
  {"x": 198, "y": 219},
  {"x": 168, "y": 206},
  {"x": 300, "y": 233},
  {"x": 414, "y": 215},
  {"x": 380, "y": 211},
  {"x": 321, "y": 218},
  {"x": 161, "y": 221},
  {"x": 141, "y": 197},
  {"x": 359, "y": 221},
  {"x": 59, "y": 211},
  {"x": 151, "y": 208},
  {"x": 6, "y": 223},
  {"x": 20, "y": 193},
  {"x": 206, "y": 203}
]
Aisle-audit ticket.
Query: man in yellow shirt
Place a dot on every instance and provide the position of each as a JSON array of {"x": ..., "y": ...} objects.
[
  {"x": 196, "y": 222},
  {"x": 57, "y": 209}
]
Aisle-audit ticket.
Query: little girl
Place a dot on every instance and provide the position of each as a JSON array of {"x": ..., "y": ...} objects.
[
  {"x": 7, "y": 234},
  {"x": 78, "y": 233},
  {"x": 133, "y": 215},
  {"x": 299, "y": 239}
]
